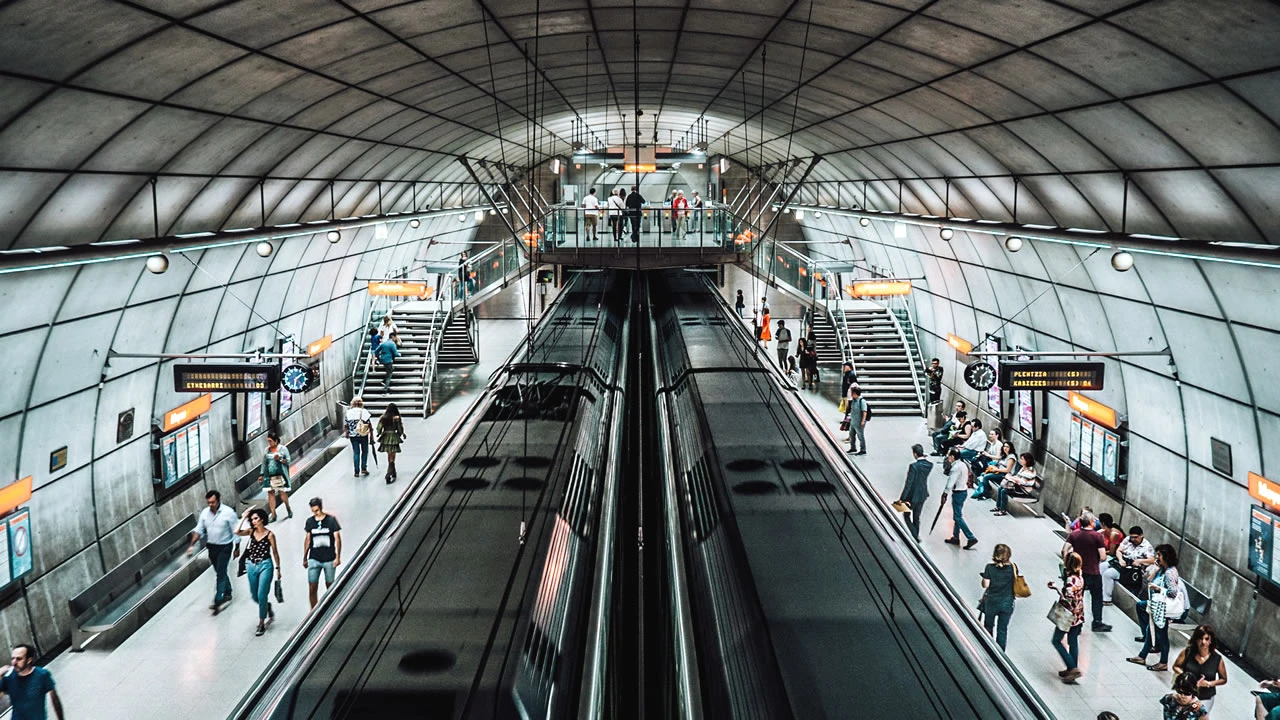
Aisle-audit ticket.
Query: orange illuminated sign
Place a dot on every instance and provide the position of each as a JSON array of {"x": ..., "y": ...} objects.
[
  {"x": 403, "y": 288},
  {"x": 639, "y": 167},
  {"x": 1092, "y": 409},
  {"x": 14, "y": 494},
  {"x": 320, "y": 345},
  {"x": 959, "y": 343},
  {"x": 184, "y": 414},
  {"x": 1263, "y": 490},
  {"x": 870, "y": 288}
]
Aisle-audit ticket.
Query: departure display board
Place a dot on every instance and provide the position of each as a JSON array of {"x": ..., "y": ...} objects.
[
  {"x": 1050, "y": 375},
  {"x": 240, "y": 377}
]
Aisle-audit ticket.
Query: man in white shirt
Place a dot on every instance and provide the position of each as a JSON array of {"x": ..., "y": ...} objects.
[
  {"x": 617, "y": 207},
  {"x": 217, "y": 525},
  {"x": 1135, "y": 551},
  {"x": 976, "y": 442},
  {"x": 957, "y": 485},
  {"x": 592, "y": 214}
]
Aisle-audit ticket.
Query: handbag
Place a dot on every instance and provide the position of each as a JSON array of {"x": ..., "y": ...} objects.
[
  {"x": 902, "y": 506},
  {"x": 279, "y": 592},
  {"x": 844, "y": 424},
  {"x": 1156, "y": 606},
  {"x": 242, "y": 569},
  {"x": 1020, "y": 587},
  {"x": 1061, "y": 616},
  {"x": 277, "y": 482},
  {"x": 844, "y": 404}
]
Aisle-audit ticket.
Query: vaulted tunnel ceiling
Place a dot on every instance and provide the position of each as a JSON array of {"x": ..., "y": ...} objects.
[{"x": 1151, "y": 116}]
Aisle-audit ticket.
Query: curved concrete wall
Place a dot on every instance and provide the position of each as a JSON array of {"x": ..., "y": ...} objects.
[
  {"x": 1219, "y": 320},
  {"x": 55, "y": 332}
]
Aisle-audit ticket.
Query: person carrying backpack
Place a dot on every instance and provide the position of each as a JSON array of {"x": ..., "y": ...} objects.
[
  {"x": 359, "y": 426},
  {"x": 859, "y": 413}
]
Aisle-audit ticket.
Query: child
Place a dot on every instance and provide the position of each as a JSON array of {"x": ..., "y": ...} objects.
[
  {"x": 792, "y": 368},
  {"x": 1182, "y": 703}
]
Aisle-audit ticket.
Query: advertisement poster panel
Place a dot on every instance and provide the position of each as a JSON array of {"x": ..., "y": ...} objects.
[
  {"x": 20, "y": 555},
  {"x": 993, "y": 394},
  {"x": 253, "y": 414},
  {"x": 1261, "y": 533},
  {"x": 1095, "y": 461},
  {"x": 6, "y": 573},
  {"x": 1073, "y": 440},
  {"x": 1110, "y": 447}
]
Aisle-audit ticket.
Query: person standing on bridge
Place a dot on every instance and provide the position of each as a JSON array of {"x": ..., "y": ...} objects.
[
  {"x": 590, "y": 215},
  {"x": 679, "y": 215},
  {"x": 617, "y": 206},
  {"x": 635, "y": 203}
]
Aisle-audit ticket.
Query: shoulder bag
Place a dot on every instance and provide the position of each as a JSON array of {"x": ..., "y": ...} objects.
[
  {"x": 1061, "y": 616},
  {"x": 1020, "y": 587},
  {"x": 363, "y": 428},
  {"x": 844, "y": 424}
]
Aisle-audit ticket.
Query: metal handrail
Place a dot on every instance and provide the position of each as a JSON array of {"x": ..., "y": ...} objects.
[
  {"x": 1001, "y": 678},
  {"x": 911, "y": 357},
  {"x": 360, "y": 376}
]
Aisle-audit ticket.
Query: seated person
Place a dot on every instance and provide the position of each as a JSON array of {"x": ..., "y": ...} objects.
[
  {"x": 997, "y": 469},
  {"x": 1022, "y": 483},
  {"x": 1075, "y": 524},
  {"x": 958, "y": 433},
  {"x": 956, "y": 420},
  {"x": 1134, "y": 551},
  {"x": 989, "y": 453},
  {"x": 975, "y": 443},
  {"x": 1267, "y": 701}
]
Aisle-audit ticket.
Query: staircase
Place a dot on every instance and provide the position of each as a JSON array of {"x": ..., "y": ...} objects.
[
  {"x": 824, "y": 335},
  {"x": 881, "y": 361},
  {"x": 417, "y": 333},
  {"x": 457, "y": 348}
]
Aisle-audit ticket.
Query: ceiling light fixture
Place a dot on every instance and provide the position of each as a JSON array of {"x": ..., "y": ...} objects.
[
  {"x": 333, "y": 236},
  {"x": 1122, "y": 261},
  {"x": 157, "y": 264},
  {"x": 946, "y": 233},
  {"x": 264, "y": 249},
  {"x": 415, "y": 223},
  {"x": 864, "y": 221},
  {"x": 1013, "y": 243}
]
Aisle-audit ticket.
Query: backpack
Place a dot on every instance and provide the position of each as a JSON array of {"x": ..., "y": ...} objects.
[{"x": 868, "y": 406}]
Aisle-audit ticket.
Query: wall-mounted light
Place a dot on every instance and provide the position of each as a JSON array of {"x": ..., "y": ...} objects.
[
  {"x": 381, "y": 231},
  {"x": 864, "y": 221},
  {"x": 946, "y": 233},
  {"x": 264, "y": 249},
  {"x": 899, "y": 230},
  {"x": 415, "y": 223},
  {"x": 817, "y": 214},
  {"x": 1122, "y": 261},
  {"x": 157, "y": 264},
  {"x": 1013, "y": 243},
  {"x": 462, "y": 217},
  {"x": 799, "y": 214},
  {"x": 333, "y": 236}
]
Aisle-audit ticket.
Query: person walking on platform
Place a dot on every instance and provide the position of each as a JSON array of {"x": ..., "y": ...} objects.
[
  {"x": 784, "y": 343},
  {"x": 957, "y": 472},
  {"x": 997, "y": 597},
  {"x": 321, "y": 548},
  {"x": 739, "y": 304},
  {"x": 1092, "y": 549},
  {"x": 590, "y": 215},
  {"x": 217, "y": 525},
  {"x": 916, "y": 490},
  {"x": 390, "y": 434},
  {"x": 617, "y": 206},
  {"x": 262, "y": 558},
  {"x": 1200, "y": 658},
  {"x": 359, "y": 427},
  {"x": 635, "y": 203},
  {"x": 847, "y": 377},
  {"x": 274, "y": 475},
  {"x": 1071, "y": 597},
  {"x": 26, "y": 684},
  {"x": 387, "y": 354}
]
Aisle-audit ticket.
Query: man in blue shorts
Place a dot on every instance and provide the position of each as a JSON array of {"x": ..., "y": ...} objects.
[
  {"x": 26, "y": 684},
  {"x": 321, "y": 548}
]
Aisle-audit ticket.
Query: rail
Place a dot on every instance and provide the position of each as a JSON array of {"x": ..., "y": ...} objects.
[{"x": 1004, "y": 683}]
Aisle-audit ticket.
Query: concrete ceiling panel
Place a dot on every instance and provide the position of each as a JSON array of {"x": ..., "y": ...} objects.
[
  {"x": 64, "y": 128},
  {"x": 1015, "y": 154},
  {"x": 259, "y": 23},
  {"x": 326, "y": 43},
  {"x": 1261, "y": 352},
  {"x": 1126, "y": 137},
  {"x": 950, "y": 43},
  {"x": 22, "y": 352},
  {"x": 1247, "y": 27},
  {"x": 1151, "y": 403},
  {"x": 97, "y": 287},
  {"x": 297, "y": 203},
  {"x": 1062, "y": 200},
  {"x": 222, "y": 142},
  {"x": 55, "y": 38},
  {"x": 231, "y": 315},
  {"x": 80, "y": 210},
  {"x": 270, "y": 297},
  {"x": 1041, "y": 82},
  {"x": 1106, "y": 195},
  {"x": 1059, "y": 144},
  {"x": 178, "y": 8},
  {"x": 1254, "y": 190},
  {"x": 228, "y": 88},
  {"x": 122, "y": 480},
  {"x": 23, "y": 193},
  {"x": 192, "y": 322},
  {"x": 1260, "y": 91},
  {"x": 1268, "y": 426},
  {"x": 1017, "y": 22},
  {"x": 1214, "y": 126},
  {"x": 150, "y": 141},
  {"x": 1197, "y": 207},
  {"x": 298, "y": 100},
  {"x": 214, "y": 204},
  {"x": 10, "y": 428},
  {"x": 60, "y": 372},
  {"x": 993, "y": 100},
  {"x": 141, "y": 330},
  {"x": 861, "y": 17},
  {"x": 1249, "y": 295},
  {"x": 1085, "y": 313},
  {"x": 902, "y": 61},
  {"x": 18, "y": 94},
  {"x": 1204, "y": 352},
  {"x": 1157, "y": 484},
  {"x": 299, "y": 292},
  {"x": 1213, "y": 416},
  {"x": 159, "y": 65},
  {"x": 59, "y": 509},
  {"x": 1117, "y": 61},
  {"x": 867, "y": 82},
  {"x": 1178, "y": 284}
]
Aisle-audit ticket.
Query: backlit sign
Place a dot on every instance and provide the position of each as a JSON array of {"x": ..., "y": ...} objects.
[
  {"x": 403, "y": 288},
  {"x": 1264, "y": 491},
  {"x": 15, "y": 494},
  {"x": 1092, "y": 409},
  {"x": 239, "y": 377},
  {"x": 187, "y": 412},
  {"x": 319, "y": 346},
  {"x": 959, "y": 343},
  {"x": 1051, "y": 375},
  {"x": 871, "y": 288},
  {"x": 639, "y": 167}
]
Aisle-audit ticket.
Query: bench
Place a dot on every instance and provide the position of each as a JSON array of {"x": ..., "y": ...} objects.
[
  {"x": 115, "y": 606},
  {"x": 1029, "y": 499},
  {"x": 310, "y": 450},
  {"x": 1198, "y": 606}
]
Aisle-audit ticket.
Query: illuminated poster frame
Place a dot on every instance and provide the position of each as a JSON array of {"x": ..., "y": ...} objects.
[
  {"x": 1097, "y": 453},
  {"x": 1024, "y": 404},
  {"x": 994, "y": 393},
  {"x": 183, "y": 453}
]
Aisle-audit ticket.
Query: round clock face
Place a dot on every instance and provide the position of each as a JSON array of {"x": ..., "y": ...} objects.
[
  {"x": 980, "y": 375},
  {"x": 295, "y": 377}
]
